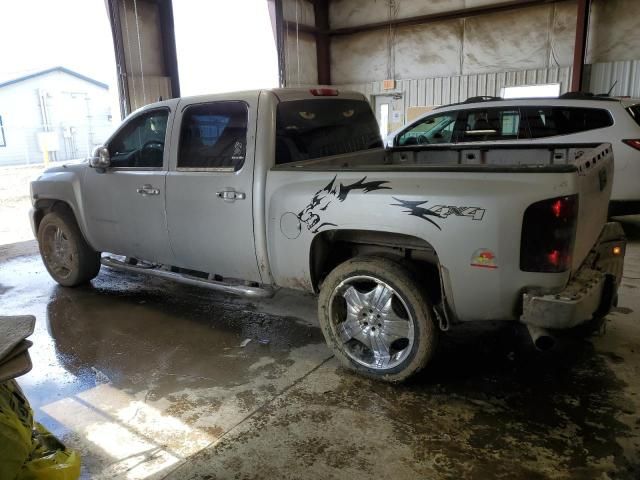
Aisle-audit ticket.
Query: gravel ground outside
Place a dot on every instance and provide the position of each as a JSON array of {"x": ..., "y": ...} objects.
[{"x": 15, "y": 203}]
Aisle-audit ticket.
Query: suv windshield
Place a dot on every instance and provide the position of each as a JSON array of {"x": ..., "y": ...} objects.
[{"x": 307, "y": 129}]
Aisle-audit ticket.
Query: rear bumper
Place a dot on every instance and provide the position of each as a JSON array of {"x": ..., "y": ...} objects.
[{"x": 590, "y": 293}]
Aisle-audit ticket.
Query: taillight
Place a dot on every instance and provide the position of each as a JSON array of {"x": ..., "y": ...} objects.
[
  {"x": 548, "y": 233},
  {"x": 324, "y": 92},
  {"x": 633, "y": 143}
]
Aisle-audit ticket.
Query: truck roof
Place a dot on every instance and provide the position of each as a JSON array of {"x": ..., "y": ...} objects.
[{"x": 283, "y": 95}]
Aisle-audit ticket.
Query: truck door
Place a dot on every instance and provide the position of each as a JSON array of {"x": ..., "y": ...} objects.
[
  {"x": 125, "y": 204},
  {"x": 210, "y": 188}
]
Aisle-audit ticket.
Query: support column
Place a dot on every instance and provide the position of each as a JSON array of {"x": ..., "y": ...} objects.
[
  {"x": 323, "y": 45},
  {"x": 580, "y": 47}
]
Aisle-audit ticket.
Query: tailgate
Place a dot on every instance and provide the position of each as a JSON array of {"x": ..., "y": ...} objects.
[{"x": 595, "y": 178}]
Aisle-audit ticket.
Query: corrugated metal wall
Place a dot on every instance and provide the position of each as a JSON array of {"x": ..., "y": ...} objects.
[
  {"x": 625, "y": 73},
  {"x": 445, "y": 90}
]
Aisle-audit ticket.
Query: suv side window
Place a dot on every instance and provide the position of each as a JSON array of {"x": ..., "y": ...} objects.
[
  {"x": 491, "y": 124},
  {"x": 431, "y": 130},
  {"x": 213, "y": 136},
  {"x": 550, "y": 121},
  {"x": 140, "y": 144}
]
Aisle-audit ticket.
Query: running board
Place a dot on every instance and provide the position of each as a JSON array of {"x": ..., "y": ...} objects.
[{"x": 243, "y": 290}]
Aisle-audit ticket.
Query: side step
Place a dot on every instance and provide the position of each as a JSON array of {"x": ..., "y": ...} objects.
[{"x": 243, "y": 290}]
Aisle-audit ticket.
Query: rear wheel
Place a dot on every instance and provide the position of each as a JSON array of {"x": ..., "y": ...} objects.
[
  {"x": 376, "y": 318},
  {"x": 65, "y": 253}
]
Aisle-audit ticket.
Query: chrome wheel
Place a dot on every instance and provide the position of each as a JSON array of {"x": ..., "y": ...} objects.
[
  {"x": 372, "y": 321},
  {"x": 57, "y": 251}
]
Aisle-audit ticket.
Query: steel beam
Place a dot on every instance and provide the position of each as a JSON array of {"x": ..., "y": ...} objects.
[
  {"x": 167, "y": 31},
  {"x": 323, "y": 42},
  {"x": 580, "y": 46},
  {"x": 113, "y": 10},
  {"x": 438, "y": 17}
]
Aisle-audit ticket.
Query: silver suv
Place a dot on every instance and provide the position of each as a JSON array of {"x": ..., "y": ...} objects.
[{"x": 569, "y": 119}]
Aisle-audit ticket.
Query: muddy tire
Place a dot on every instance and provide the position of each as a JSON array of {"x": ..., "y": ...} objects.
[
  {"x": 68, "y": 258},
  {"x": 376, "y": 318}
]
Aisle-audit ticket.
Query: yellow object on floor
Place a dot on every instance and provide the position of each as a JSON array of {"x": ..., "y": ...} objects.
[{"x": 29, "y": 451}]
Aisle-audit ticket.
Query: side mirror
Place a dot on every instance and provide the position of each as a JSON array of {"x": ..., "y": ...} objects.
[{"x": 100, "y": 158}]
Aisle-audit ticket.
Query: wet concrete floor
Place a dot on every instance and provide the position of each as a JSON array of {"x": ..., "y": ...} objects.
[{"x": 148, "y": 379}]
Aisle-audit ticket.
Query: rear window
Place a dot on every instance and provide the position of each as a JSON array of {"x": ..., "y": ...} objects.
[
  {"x": 308, "y": 129},
  {"x": 634, "y": 111},
  {"x": 551, "y": 121}
]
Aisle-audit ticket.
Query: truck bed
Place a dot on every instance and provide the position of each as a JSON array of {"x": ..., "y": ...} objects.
[{"x": 494, "y": 157}]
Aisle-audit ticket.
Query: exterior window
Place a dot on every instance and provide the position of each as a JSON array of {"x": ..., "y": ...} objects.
[
  {"x": 3, "y": 140},
  {"x": 307, "y": 129},
  {"x": 551, "y": 121},
  {"x": 491, "y": 124},
  {"x": 140, "y": 144},
  {"x": 431, "y": 130},
  {"x": 214, "y": 136}
]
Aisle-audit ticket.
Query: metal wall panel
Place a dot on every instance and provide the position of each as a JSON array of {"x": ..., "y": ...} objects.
[
  {"x": 625, "y": 73},
  {"x": 446, "y": 90}
]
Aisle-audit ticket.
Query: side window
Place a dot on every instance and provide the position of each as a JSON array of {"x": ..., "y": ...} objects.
[
  {"x": 549, "y": 121},
  {"x": 140, "y": 144},
  {"x": 492, "y": 124},
  {"x": 214, "y": 136},
  {"x": 431, "y": 130}
]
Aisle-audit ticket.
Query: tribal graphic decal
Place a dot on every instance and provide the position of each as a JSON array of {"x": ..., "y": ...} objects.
[
  {"x": 414, "y": 209},
  {"x": 334, "y": 192}
]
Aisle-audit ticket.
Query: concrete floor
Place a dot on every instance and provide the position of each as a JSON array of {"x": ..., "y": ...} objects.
[{"x": 154, "y": 380}]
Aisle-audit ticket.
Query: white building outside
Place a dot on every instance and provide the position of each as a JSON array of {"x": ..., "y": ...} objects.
[{"x": 57, "y": 109}]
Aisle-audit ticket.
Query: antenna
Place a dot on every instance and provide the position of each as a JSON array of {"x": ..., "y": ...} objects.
[{"x": 612, "y": 87}]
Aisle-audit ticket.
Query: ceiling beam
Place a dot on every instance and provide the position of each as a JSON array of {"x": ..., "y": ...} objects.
[{"x": 439, "y": 17}]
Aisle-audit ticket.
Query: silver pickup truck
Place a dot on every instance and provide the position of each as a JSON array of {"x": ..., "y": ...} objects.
[{"x": 248, "y": 192}]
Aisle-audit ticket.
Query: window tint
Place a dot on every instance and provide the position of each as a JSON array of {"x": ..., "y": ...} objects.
[
  {"x": 433, "y": 129},
  {"x": 548, "y": 121},
  {"x": 491, "y": 124},
  {"x": 214, "y": 135},
  {"x": 314, "y": 128},
  {"x": 140, "y": 144},
  {"x": 634, "y": 111}
]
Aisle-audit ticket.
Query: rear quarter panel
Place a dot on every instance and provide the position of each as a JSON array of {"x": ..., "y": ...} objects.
[{"x": 377, "y": 201}]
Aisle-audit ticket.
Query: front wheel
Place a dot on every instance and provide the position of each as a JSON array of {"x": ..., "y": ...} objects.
[
  {"x": 376, "y": 318},
  {"x": 65, "y": 253}
]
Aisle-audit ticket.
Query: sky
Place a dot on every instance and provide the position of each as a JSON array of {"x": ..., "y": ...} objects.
[{"x": 222, "y": 45}]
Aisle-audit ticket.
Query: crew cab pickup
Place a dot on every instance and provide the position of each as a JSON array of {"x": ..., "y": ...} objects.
[{"x": 249, "y": 192}]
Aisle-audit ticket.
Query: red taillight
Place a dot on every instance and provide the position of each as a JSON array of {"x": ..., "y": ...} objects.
[
  {"x": 554, "y": 258},
  {"x": 548, "y": 232},
  {"x": 324, "y": 92},
  {"x": 633, "y": 143}
]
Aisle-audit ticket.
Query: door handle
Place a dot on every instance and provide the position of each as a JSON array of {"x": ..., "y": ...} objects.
[
  {"x": 230, "y": 195},
  {"x": 148, "y": 190}
]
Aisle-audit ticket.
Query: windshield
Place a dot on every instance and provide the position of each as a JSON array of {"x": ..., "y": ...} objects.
[{"x": 313, "y": 128}]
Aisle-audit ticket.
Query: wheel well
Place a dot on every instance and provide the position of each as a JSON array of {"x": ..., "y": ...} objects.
[
  {"x": 331, "y": 248},
  {"x": 43, "y": 207}
]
